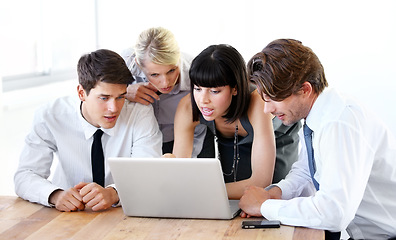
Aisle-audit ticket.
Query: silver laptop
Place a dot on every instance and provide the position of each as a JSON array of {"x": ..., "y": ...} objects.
[{"x": 172, "y": 188}]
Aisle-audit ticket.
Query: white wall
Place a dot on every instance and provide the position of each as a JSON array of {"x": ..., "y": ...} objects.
[{"x": 355, "y": 40}]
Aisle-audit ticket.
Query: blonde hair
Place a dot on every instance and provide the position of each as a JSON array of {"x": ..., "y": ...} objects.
[{"x": 157, "y": 45}]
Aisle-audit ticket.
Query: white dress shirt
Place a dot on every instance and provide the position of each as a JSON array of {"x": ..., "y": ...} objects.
[
  {"x": 59, "y": 128},
  {"x": 355, "y": 157},
  {"x": 165, "y": 108}
]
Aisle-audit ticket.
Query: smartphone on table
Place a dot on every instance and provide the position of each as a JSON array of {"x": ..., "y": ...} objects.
[{"x": 261, "y": 224}]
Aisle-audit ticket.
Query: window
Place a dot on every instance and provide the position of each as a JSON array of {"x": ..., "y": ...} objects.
[{"x": 42, "y": 40}]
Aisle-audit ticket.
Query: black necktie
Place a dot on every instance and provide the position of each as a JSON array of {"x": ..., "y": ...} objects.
[
  {"x": 97, "y": 158},
  {"x": 310, "y": 151}
]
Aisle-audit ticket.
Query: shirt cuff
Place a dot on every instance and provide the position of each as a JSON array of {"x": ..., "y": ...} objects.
[
  {"x": 46, "y": 195},
  {"x": 283, "y": 185},
  {"x": 270, "y": 187},
  {"x": 118, "y": 204},
  {"x": 270, "y": 208}
]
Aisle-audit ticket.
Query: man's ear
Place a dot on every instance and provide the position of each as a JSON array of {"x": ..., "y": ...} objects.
[
  {"x": 81, "y": 92},
  {"x": 306, "y": 89}
]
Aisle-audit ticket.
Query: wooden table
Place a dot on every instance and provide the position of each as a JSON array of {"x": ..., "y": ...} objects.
[{"x": 20, "y": 219}]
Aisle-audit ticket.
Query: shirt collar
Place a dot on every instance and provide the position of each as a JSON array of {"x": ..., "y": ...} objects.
[
  {"x": 176, "y": 88},
  {"x": 327, "y": 107},
  {"x": 317, "y": 111},
  {"x": 88, "y": 128}
]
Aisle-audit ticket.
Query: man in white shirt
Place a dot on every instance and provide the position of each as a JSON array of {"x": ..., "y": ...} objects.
[
  {"x": 66, "y": 127},
  {"x": 353, "y": 158}
]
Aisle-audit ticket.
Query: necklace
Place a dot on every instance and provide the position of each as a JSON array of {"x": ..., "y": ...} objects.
[{"x": 236, "y": 156}]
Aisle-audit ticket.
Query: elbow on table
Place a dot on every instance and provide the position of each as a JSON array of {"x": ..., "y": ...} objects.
[
  {"x": 337, "y": 220},
  {"x": 17, "y": 184}
]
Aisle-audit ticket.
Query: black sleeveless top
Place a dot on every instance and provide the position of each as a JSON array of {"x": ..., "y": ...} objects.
[
  {"x": 226, "y": 150},
  {"x": 286, "y": 138}
]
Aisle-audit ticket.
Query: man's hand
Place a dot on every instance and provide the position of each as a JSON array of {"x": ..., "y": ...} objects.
[
  {"x": 143, "y": 93},
  {"x": 251, "y": 201},
  {"x": 67, "y": 201},
  {"x": 96, "y": 197}
]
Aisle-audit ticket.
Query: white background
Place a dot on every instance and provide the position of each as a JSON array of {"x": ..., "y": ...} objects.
[{"x": 355, "y": 41}]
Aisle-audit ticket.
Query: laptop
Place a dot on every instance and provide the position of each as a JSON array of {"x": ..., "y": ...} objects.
[{"x": 172, "y": 188}]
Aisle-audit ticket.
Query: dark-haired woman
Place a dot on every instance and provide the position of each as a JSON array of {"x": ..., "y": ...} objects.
[{"x": 223, "y": 99}]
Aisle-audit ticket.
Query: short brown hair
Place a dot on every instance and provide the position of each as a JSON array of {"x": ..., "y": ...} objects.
[
  {"x": 281, "y": 68},
  {"x": 102, "y": 65}
]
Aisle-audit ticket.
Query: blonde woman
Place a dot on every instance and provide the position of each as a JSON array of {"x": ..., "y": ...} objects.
[{"x": 161, "y": 79}]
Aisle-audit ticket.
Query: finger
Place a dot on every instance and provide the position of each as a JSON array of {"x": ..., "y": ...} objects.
[
  {"x": 69, "y": 200},
  {"x": 95, "y": 200},
  {"x": 74, "y": 204},
  {"x": 75, "y": 193},
  {"x": 87, "y": 188},
  {"x": 100, "y": 205},
  {"x": 150, "y": 90},
  {"x": 143, "y": 96},
  {"x": 137, "y": 93},
  {"x": 103, "y": 199},
  {"x": 81, "y": 206},
  {"x": 61, "y": 207},
  {"x": 77, "y": 203},
  {"x": 75, "y": 199},
  {"x": 144, "y": 101},
  {"x": 66, "y": 206},
  {"x": 91, "y": 191},
  {"x": 80, "y": 185},
  {"x": 70, "y": 206},
  {"x": 149, "y": 94}
]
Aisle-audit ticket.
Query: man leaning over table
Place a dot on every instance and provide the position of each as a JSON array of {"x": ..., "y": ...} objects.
[
  {"x": 353, "y": 161},
  {"x": 66, "y": 128}
]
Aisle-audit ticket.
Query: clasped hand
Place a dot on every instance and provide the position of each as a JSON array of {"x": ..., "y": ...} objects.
[
  {"x": 84, "y": 195},
  {"x": 251, "y": 201}
]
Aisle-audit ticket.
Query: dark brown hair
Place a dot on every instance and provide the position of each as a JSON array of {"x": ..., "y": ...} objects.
[
  {"x": 102, "y": 65},
  {"x": 218, "y": 66},
  {"x": 281, "y": 68}
]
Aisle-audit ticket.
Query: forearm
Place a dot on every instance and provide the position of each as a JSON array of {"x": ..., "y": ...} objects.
[
  {"x": 184, "y": 128},
  {"x": 184, "y": 141},
  {"x": 235, "y": 190}
]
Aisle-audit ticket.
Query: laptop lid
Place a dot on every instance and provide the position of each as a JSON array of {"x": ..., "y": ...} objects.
[{"x": 172, "y": 188}]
